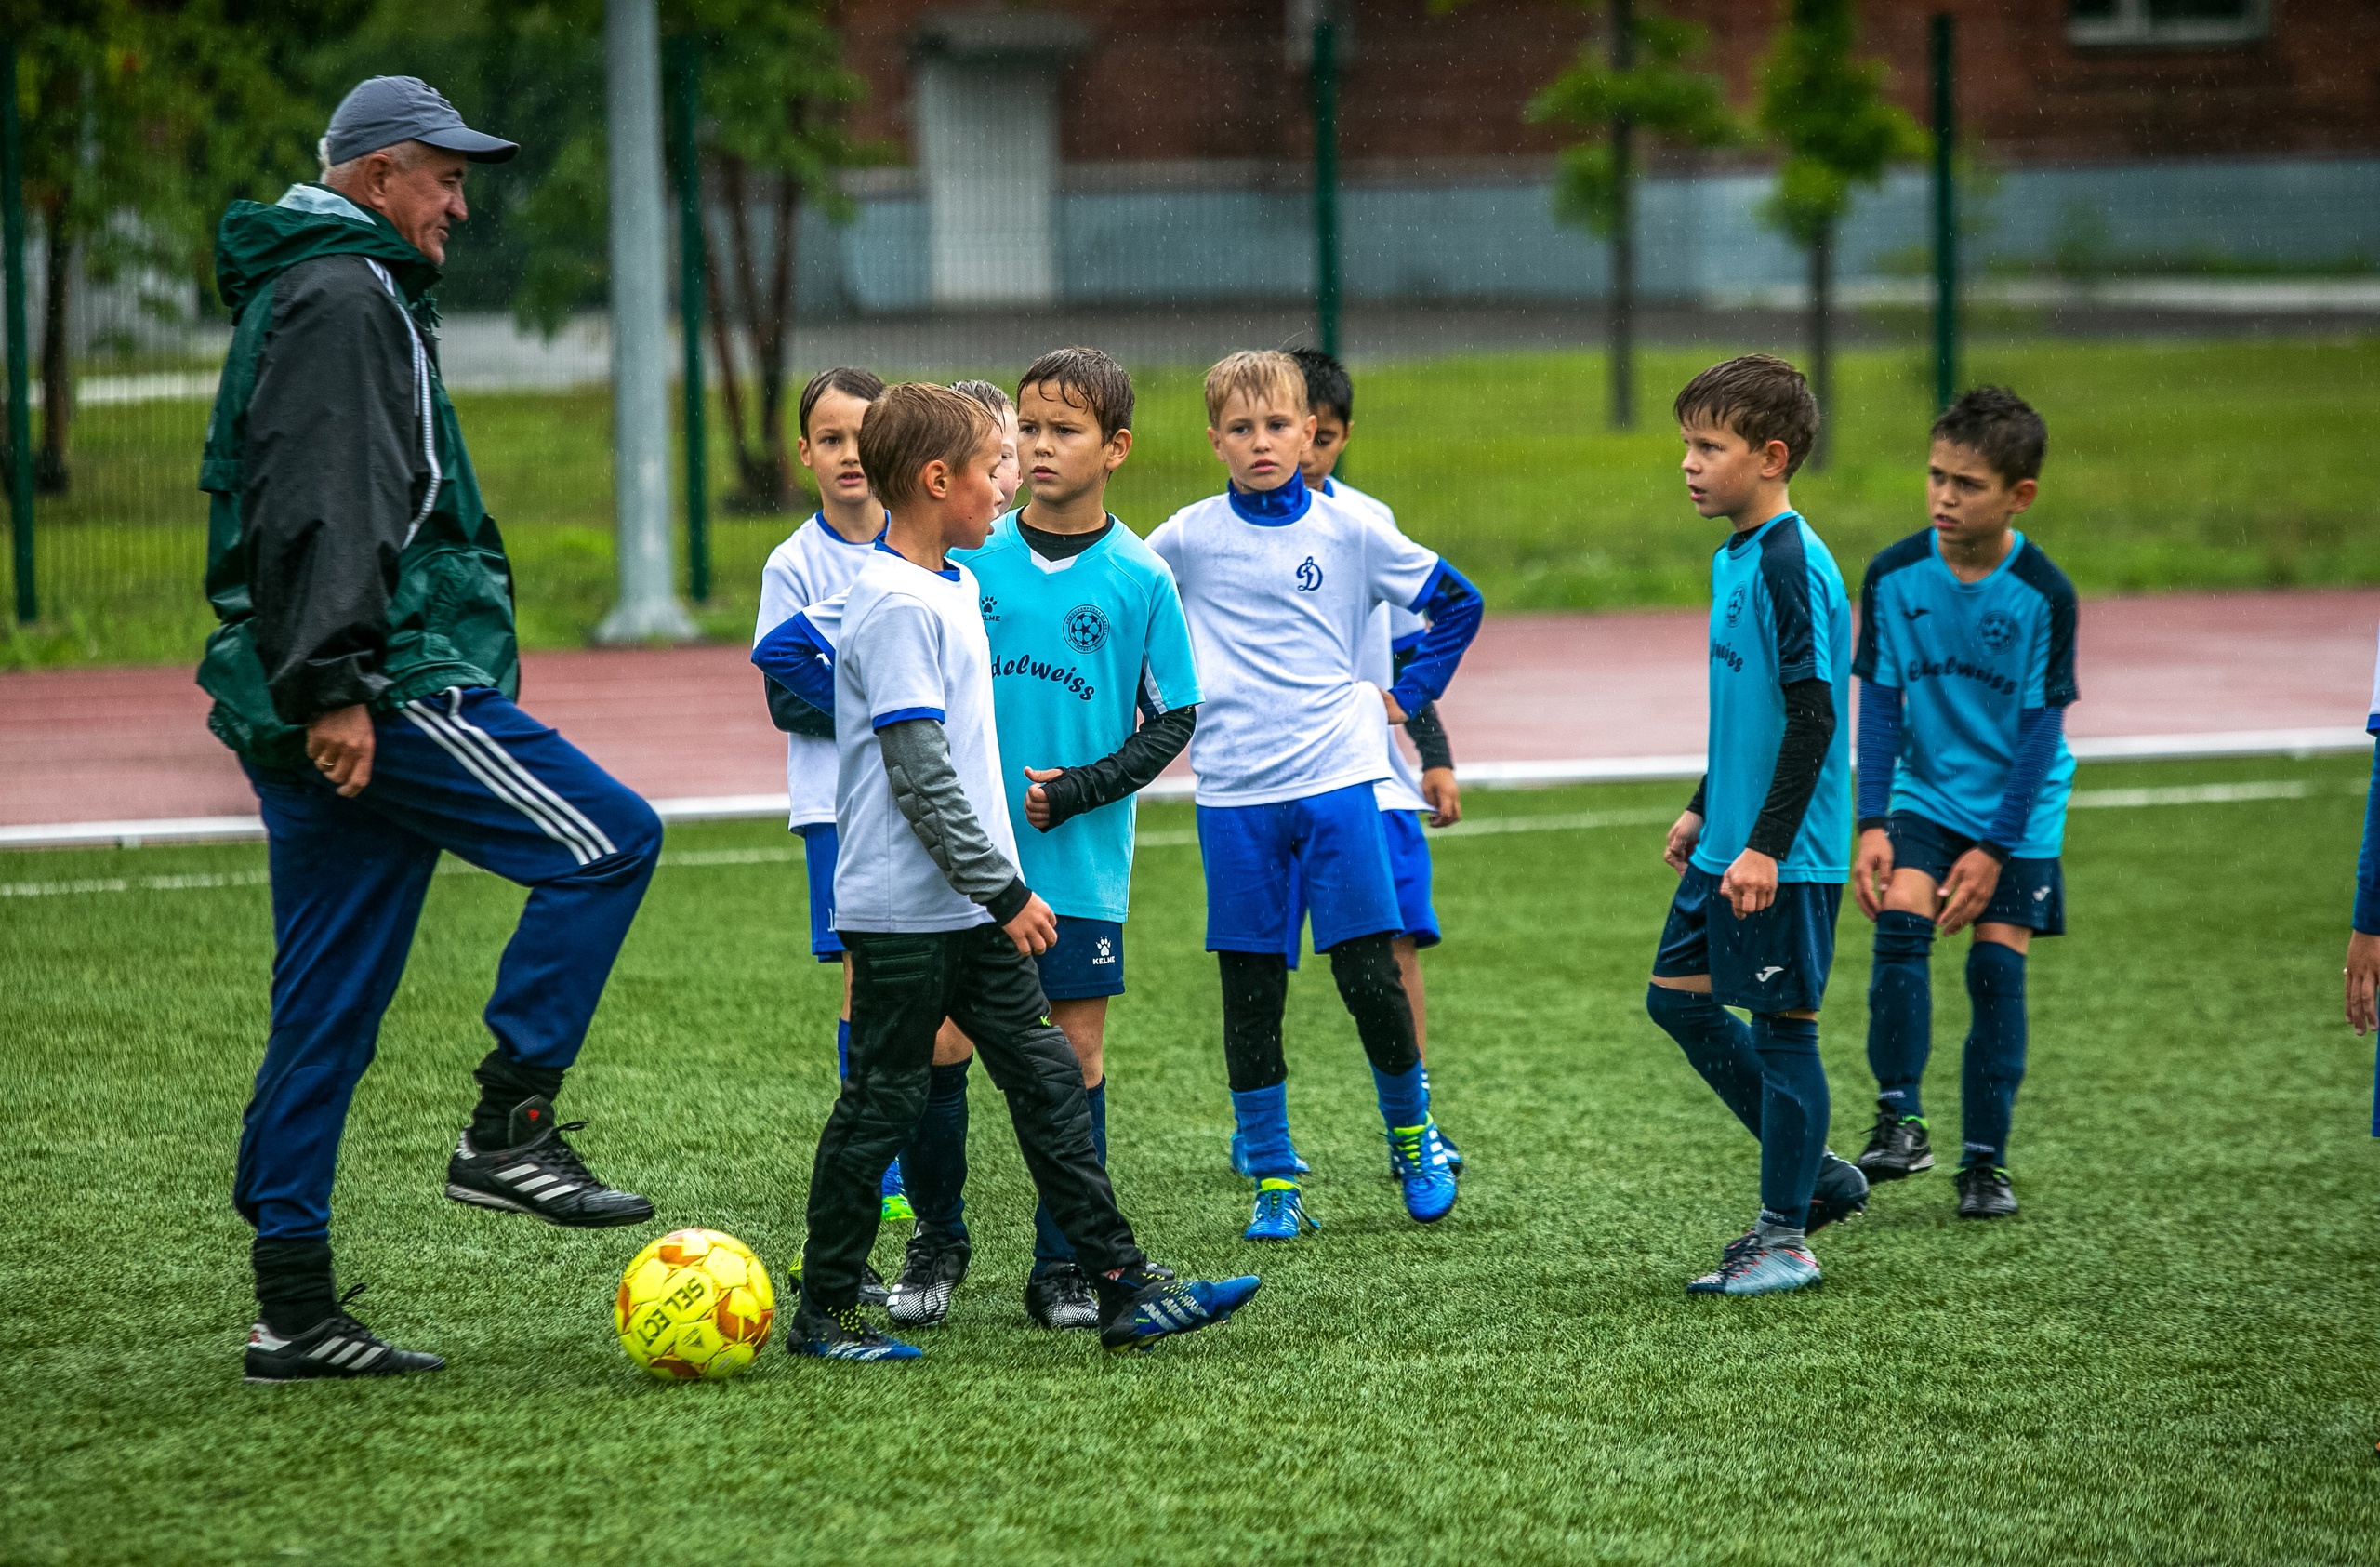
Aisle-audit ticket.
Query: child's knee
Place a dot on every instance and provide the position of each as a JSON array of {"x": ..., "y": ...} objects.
[{"x": 1995, "y": 970}]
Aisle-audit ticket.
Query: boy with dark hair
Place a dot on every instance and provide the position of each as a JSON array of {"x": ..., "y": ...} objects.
[
  {"x": 1760, "y": 851},
  {"x": 1966, "y": 668},
  {"x": 813, "y": 565},
  {"x": 1279, "y": 584},
  {"x": 929, "y": 902},
  {"x": 1087, "y": 636}
]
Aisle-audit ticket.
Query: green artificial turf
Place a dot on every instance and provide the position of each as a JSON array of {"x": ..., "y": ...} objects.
[
  {"x": 2173, "y": 464},
  {"x": 2167, "y": 1357}
]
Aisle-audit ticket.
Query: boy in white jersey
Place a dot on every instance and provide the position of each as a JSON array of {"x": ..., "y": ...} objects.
[
  {"x": 929, "y": 903},
  {"x": 1278, "y": 585},
  {"x": 817, "y": 563}
]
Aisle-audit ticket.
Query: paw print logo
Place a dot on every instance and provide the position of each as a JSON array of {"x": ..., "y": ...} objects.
[
  {"x": 1996, "y": 631},
  {"x": 1086, "y": 628},
  {"x": 1736, "y": 605},
  {"x": 990, "y": 603},
  {"x": 1107, "y": 951}
]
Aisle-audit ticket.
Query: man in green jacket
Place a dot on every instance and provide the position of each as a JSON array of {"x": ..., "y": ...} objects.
[{"x": 365, "y": 671}]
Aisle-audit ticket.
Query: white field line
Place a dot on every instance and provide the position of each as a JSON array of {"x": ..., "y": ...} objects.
[{"x": 1571, "y": 822}]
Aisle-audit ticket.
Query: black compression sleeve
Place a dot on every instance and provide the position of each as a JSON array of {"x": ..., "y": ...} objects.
[
  {"x": 1696, "y": 805},
  {"x": 1128, "y": 769},
  {"x": 1430, "y": 737},
  {"x": 1809, "y": 729}
]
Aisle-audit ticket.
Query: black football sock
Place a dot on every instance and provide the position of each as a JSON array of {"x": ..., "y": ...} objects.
[
  {"x": 1716, "y": 1044},
  {"x": 295, "y": 1289},
  {"x": 504, "y": 1083},
  {"x": 1995, "y": 1057},
  {"x": 1793, "y": 1110},
  {"x": 1900, "y": 1008}
]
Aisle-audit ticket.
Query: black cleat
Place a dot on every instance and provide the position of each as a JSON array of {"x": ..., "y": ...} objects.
[
  {"x": 921, "y": 1296},
  {"x": 338, "y": 1345},
  {"x": 1060, "y": 1298},
  {"x": 1839, "y": 1192},
  {"x": 1897, "y": 1147},
  {"x": 540, "y": 1175},
  {"x": 871, "y": 1286},
  {"x": 1984, "y": 1192},
  {"x": 842, "y": 1336}
]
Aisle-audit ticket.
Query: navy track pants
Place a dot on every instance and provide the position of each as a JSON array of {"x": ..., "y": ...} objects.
[{"x": 468, "y": 773}]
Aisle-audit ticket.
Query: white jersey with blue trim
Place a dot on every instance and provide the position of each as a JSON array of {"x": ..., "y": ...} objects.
[
  {"x": 1392, "y": 623},
  {"x": 814, "y": 564}
]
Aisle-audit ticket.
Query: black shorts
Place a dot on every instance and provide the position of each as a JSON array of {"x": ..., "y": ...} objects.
[
  {"x": 1775, "y": 961},
  {"x": 1087, "y": 962},
  {"x": 2031, "y": 892}
]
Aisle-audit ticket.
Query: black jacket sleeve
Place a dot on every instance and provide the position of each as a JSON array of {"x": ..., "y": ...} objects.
[
  {"x": 333, "y": 474},
  {"x": 1127, "y": 770},
  {"x": 1801, "y": 754}
]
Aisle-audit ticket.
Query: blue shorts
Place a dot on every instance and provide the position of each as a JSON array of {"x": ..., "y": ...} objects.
[
  {"x": 1327, "y": 852},
  {"x": 2031, "y": 892},
  {"x": 1775, "y": 961},
  {"x": 1087, "y": 962},
  {"x": 820, "y": 849},
  {"x": 1408, "y": 865}
]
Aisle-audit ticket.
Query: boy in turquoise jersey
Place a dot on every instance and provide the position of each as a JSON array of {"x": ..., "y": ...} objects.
[
  {"x": 1094, "y": 691},
  {"x": 1761, "y": 852},
  {"x": 1966, "y": 668}
]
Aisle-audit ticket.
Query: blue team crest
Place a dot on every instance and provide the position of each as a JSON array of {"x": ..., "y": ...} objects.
[
  {"x": 1086, "y": 628},
  {"x": 1736, "y": 605},
  {"x": 1996, "y": 631},
  {"x": 1309, "y": 576}
]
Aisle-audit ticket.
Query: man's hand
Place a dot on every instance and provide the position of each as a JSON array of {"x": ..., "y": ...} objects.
[
  {"x": 340, "y": 745},
  {"x": 2363, "y": 981},
  {"x": 1444, "y": 795},
  {"x": 1396, "y": 715},
  {"x": 1966, "y": 890},
  {"x": 1037, "y": 799},
  {"x": 1871, "y": 871},
  {"x": 1034, "y": 929},
  {"x": 1683, "y": 834},
  {"x": 1750, "y": 884}
]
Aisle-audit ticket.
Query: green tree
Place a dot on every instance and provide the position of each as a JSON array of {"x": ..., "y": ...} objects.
[
  {"x": 1645, "y": 84},
  {"x": 1825, "y": 108}
]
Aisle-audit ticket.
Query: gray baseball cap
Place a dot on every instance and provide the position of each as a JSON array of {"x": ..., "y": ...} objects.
[{"x": 387, "y": 110}]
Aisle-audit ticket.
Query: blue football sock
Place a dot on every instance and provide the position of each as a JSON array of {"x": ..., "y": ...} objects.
[
  {"x": 1050, "y": 1243},
  {"x": 1716, "y": 1044},
  {"x": 1262, "y": 1115},
  {"x": 1900, "y": 1007},
  {"x": 1404, "y": 1097},
  {"x": 1995, "y": 1061},
  {"x": 1794, "y": 1110},
  {"x": 842, "y": 1050},
  {"x": 936, "y": 1160}
]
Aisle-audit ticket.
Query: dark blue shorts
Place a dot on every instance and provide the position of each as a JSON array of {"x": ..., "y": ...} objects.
[
  {"x": 1408, "y": 867},
  {"x": 820, "y": 849},
  {"x": 2031, "y": 892},
  {"x": 1327, "y": 852},
  {"x": 1087, "y": 962},
  {"x": 1775, "y": 961}
]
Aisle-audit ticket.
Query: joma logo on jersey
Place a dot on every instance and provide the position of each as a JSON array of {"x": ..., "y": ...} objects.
[{"x": 1309, "y": 576}]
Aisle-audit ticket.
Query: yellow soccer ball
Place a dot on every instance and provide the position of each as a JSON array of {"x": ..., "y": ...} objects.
[{"x": 694, "y": 1305}]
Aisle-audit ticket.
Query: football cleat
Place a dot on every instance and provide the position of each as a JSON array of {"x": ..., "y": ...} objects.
[
  {"x": 1164, "y": 1306},
  {"x": 1747, "y": 1267},
  {"x": 1280, "y": 1213},
  {"x": 896, "y": 1197},
  {"x": 1445, "y": 1145},
  {"x": 1239, "y": 1158},
  {"x": 921, "y": 1296},
  {"x": 338, "y": 1345},
  {"x": 1419, "y": 1163},
  {"x": 1841, "y": 1193},
  {"x": 540, "y": 1175},
  {"x": 871, "y": 1286},
  {"x": 843, "y": 1335},
  {"x": 1897, "y": 1147},
  {"x": 1060, "y": 1298},
  {"x": 1984, "y": 1192}
]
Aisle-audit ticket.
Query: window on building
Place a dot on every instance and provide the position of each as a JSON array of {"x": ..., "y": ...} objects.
[{"x": 2167, "y": 22}]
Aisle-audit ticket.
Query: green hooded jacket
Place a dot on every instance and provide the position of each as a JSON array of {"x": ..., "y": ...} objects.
[{"x": 349, "y": 556}]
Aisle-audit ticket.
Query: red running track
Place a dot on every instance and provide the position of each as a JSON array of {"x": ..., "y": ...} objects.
[{"x": 115, "y": 744}]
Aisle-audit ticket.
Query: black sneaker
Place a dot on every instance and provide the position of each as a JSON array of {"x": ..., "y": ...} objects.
[
  {"x": 1839, "y": 1192},
  {"x": 338, "y": 1345},
  {"x": 921, "y": 1296},
  {"x": 540, "y": 1175},
  {"x": 1897, "y": 1147},
  {"x": 1060, "y": 1298},
  {"x": 843, "y": 1335},
  {"x": 1985, "y": 1193}
]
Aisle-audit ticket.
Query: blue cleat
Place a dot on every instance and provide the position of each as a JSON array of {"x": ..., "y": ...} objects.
[
  {"x": 843, "y": 1335},
  {"x": 1420, "y": 1163},
  {"x": 896, "y": 1196},
  {"x": 1239, "y": 1158},
  {"x": 1747, "y": 1267},
  {"x": 1280, "y": 1213},
  {"x": 1445, "y": 1144},
  {"x": 1166, "y": 1307}
]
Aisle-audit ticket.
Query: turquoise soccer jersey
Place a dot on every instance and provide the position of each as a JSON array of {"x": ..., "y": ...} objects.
[
  {"x": 1968, "y": 658},
  {"x": 1779, "y": 616},
  {"x": 1078, "y": 647}
]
